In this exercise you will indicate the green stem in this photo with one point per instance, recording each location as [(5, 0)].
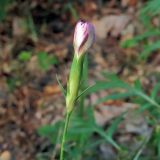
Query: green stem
[(64, 135)]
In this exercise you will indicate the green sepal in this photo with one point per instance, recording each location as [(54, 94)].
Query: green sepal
[(74, 82)]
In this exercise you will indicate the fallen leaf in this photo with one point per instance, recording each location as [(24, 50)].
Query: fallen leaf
[(113, 24), (107, 152), (51, 89), (19, 26), (103, 114), (126, 3), (6, 155)]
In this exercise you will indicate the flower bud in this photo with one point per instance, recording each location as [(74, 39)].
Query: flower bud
[(84, 36)]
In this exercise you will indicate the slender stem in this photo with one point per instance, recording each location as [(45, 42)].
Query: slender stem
[(64, 135)]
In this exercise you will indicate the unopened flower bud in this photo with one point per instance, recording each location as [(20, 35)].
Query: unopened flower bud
[(84, 36)]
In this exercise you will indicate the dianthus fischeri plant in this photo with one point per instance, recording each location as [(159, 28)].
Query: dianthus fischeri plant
[(84, 36)]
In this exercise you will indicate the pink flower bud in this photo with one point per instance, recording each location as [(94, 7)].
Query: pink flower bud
[(84, 36)]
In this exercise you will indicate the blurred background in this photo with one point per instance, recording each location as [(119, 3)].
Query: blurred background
[(119, 118)]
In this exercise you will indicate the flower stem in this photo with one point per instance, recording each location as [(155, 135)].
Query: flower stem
[(64, 135)]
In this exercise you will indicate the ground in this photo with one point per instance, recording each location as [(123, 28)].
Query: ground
[(29, 93)]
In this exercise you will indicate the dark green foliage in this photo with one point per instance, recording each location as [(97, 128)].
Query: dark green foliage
[(12, 83), (3, 8), (51, 132), (45, 60), (25, 56), (80, 135), (83, 128)]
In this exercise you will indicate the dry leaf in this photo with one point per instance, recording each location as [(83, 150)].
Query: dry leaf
[(19, 27), (51, 89), (6, 155), (126, 3), (105, 113), (113, 24)]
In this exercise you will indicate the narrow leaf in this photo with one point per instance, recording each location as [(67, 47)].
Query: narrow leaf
[(114, 96), (83, 92), (115, 124), (61, 86), (155, 91)]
